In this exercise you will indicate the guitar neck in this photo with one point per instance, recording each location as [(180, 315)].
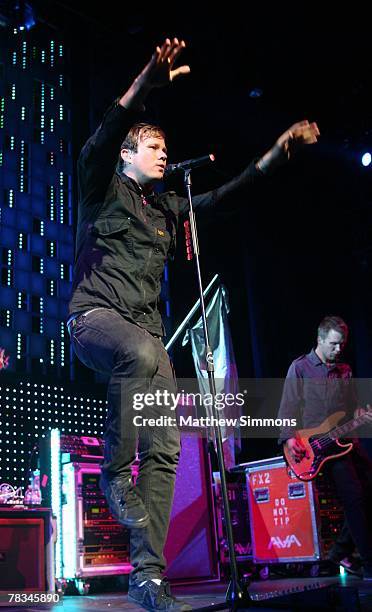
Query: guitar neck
[(342, 430)]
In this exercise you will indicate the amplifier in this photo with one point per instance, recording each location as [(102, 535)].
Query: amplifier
[(86, 449), (94, 544), (81, 448), (26, 549)]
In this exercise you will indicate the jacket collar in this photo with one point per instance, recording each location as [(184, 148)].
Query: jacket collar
[(152, 197), (131, 183)]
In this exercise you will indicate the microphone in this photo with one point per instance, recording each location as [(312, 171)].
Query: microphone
[(189, 164)]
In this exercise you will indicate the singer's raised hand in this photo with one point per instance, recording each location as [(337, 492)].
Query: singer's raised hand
[(299, 134), (157, 73)]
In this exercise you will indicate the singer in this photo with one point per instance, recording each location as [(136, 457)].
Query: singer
[(125, 233)]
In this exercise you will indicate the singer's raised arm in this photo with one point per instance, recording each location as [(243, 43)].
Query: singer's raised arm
[(298, 135)]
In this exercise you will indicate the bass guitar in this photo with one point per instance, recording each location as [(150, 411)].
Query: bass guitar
[(322, 444)]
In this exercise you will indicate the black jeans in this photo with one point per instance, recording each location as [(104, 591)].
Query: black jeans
[(137, 363), (352, 475)]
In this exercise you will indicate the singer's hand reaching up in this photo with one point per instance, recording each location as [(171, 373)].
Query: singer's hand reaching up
[(157, 73), (299, 134)]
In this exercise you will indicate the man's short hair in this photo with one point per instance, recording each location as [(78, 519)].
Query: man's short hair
[(335, 323), (137, 133)]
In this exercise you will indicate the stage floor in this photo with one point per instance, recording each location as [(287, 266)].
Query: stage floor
[(319, 593)]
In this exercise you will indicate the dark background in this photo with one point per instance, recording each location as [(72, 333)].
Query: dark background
[(297, 248)]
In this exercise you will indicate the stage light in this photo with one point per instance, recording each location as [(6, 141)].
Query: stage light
[(24, 17), (257, 92), (366, 159)]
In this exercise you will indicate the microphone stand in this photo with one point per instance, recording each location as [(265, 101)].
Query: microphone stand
[(237, 596)]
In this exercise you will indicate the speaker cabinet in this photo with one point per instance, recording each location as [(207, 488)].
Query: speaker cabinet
[(26, 550), (191, 547)]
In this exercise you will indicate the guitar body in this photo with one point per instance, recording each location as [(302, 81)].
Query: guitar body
[(320, 447)]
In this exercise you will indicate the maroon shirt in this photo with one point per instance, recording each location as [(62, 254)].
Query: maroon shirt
[(313, 391)]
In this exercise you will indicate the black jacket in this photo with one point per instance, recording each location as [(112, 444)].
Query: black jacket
[(122, 243)]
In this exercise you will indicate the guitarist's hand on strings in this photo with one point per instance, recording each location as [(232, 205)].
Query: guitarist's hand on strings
[(296, 448), (360, 411)]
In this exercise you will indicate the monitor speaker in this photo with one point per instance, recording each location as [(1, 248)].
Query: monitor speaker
[(191, 547)]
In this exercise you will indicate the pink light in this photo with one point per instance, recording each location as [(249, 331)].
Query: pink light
[(4, 359)]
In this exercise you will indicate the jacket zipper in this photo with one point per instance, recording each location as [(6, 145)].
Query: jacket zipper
[(144, 274), (144, 204)]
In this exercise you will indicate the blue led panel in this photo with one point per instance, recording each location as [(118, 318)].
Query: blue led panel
[(35, 200)]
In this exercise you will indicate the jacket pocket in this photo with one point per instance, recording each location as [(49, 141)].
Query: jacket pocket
[(111, 242), (109, 226)]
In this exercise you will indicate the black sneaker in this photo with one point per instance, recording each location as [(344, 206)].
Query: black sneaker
[(350, 565), (154, 597), (124, 503)]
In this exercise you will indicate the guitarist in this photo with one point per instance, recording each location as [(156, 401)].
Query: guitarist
[(317, 385)]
